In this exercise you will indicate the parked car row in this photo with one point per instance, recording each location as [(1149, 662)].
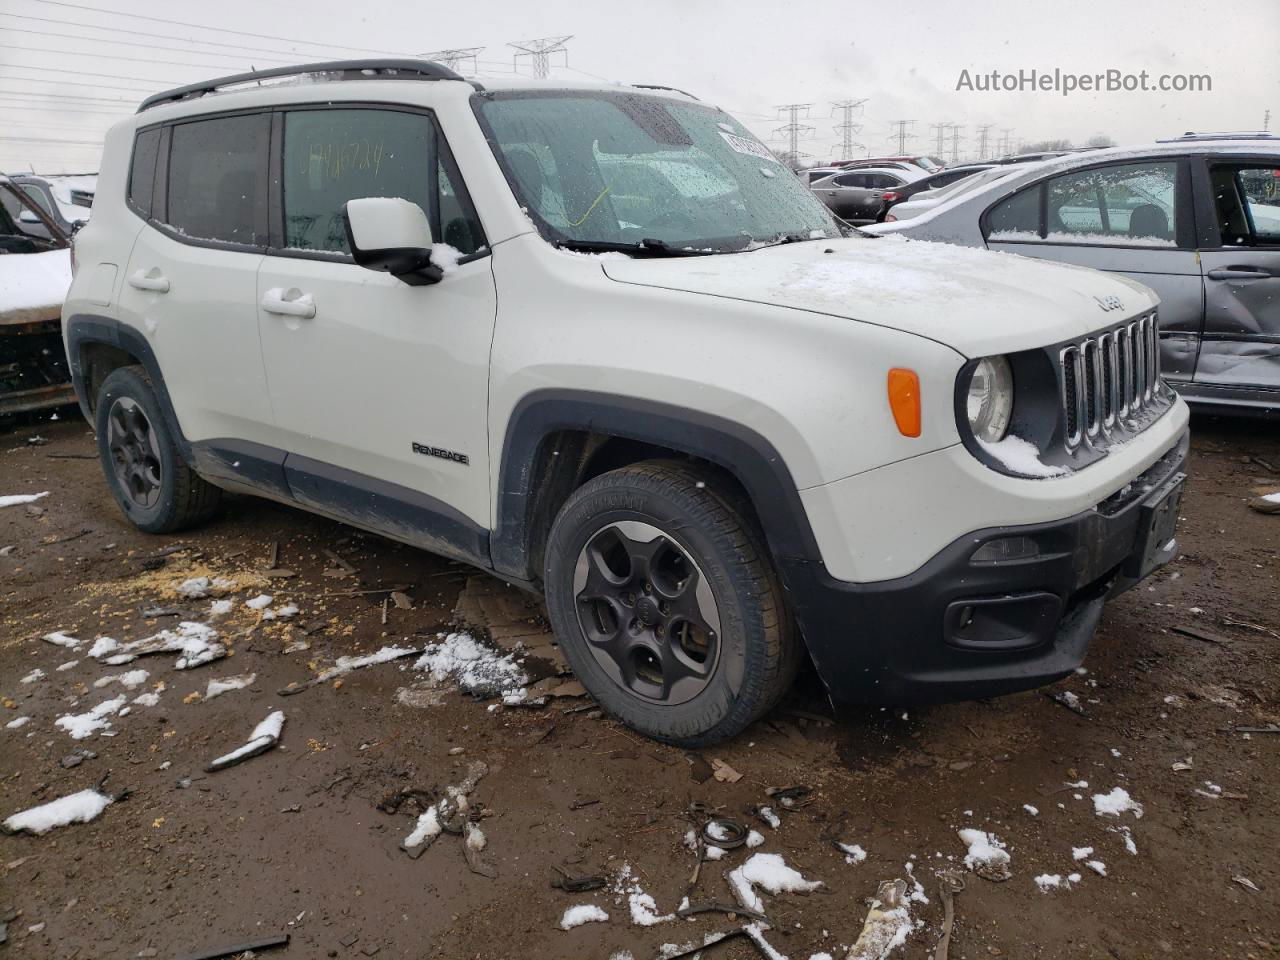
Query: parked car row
[(1197, 219)]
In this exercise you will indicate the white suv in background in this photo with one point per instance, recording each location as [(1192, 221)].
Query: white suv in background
[(599, 341)]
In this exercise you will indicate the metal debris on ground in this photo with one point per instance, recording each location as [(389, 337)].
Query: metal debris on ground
[(447, 815), (950, 883), (344, 665), (732, 909), (725, 833), (569, 883), (887, 925), (791, 798), (1199, 633), (264, 737), (1071, 701), (244, 946)]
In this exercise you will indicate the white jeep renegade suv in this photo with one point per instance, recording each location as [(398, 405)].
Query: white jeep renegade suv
[(597, 340)]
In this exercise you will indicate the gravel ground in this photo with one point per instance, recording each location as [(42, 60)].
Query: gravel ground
[(300, 840)]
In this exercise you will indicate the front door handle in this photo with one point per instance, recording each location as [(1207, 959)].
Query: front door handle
[(1239, 273), (153, 281), (289, 303)]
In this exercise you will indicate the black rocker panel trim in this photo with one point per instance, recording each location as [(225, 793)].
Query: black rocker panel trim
[(400, 512), (743, 452)]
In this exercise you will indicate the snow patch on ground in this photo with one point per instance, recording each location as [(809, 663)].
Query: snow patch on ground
[(83, 725), (643, 909), (347, 664), (33, 676), (853, 853), (75, 808), (477, 669), (1115, 803), (985, 850), (17, 723), (583, 913), (769, 872), (130, 679), (61, 639)]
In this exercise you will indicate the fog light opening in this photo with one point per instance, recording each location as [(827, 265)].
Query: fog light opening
[(1006, 549)]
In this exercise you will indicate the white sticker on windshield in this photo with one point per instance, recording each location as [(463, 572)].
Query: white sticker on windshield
[(752, 148)]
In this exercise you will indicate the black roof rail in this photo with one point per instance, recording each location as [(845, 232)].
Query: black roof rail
[(1192, 135), (399, 69), (659, 86)]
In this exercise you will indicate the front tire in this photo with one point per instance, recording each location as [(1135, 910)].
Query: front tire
[(157, 490), (666, 604)]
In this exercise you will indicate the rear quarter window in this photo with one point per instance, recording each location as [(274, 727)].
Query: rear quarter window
[(142, 170)]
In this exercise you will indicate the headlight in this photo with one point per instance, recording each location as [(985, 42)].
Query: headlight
[(990, 400)]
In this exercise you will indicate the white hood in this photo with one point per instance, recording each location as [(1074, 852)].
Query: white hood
[(978, 302)]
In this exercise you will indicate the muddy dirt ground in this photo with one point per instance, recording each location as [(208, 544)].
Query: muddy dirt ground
[(294, 841)]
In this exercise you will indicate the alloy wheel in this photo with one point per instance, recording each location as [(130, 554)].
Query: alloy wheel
[(647, 611), (135, 452)]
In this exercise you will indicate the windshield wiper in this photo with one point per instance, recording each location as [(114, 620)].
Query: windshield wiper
[(644, 248)]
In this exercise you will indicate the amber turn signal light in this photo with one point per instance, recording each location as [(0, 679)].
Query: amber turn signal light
[(904, 400)]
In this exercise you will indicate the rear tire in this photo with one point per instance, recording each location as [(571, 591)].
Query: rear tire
[(667, 605), (157, 490)]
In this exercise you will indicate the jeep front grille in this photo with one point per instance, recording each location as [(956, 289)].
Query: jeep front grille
[(1107, 378)]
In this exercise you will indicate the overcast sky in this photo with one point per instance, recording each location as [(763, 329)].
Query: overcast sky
[(746, 55)]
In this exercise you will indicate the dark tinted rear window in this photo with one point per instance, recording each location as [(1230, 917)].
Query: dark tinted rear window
[(217, 179), (146, 148)]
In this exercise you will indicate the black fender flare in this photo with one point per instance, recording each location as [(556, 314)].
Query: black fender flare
[(86, 328), (744, 453)]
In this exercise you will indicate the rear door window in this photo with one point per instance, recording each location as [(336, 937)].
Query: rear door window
[(1246, 199), (1123, 204), (218, 179)]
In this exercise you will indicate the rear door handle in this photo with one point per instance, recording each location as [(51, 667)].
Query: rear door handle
[(154, 282), (1239, 273), (289, 303)]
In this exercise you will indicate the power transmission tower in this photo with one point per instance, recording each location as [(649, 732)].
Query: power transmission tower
[(540, 50), (940, 130), (1266, 119), (984, 136), (847, 128), (793, 130), (453, 58), (903, 133), (956, 137), (1005, 145)]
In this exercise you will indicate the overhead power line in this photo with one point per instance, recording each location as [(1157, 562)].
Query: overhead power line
[(286, 56), (126, 43), (39, 95), (83, 143), (61, 110), (203, 26), (88, 73), (115, 56), (540, 50), (72, 83)]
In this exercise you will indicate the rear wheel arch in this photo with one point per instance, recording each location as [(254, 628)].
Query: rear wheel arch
[(557, 440)]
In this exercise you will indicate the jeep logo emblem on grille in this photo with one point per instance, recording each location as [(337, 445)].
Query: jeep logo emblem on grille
[(1109, 302)]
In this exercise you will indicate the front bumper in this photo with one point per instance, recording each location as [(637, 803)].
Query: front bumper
[(956, 629)]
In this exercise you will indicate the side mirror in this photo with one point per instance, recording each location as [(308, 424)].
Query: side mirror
[(28, 216), (392, 235)]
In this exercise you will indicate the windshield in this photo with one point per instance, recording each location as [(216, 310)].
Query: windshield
[(625, 169)]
